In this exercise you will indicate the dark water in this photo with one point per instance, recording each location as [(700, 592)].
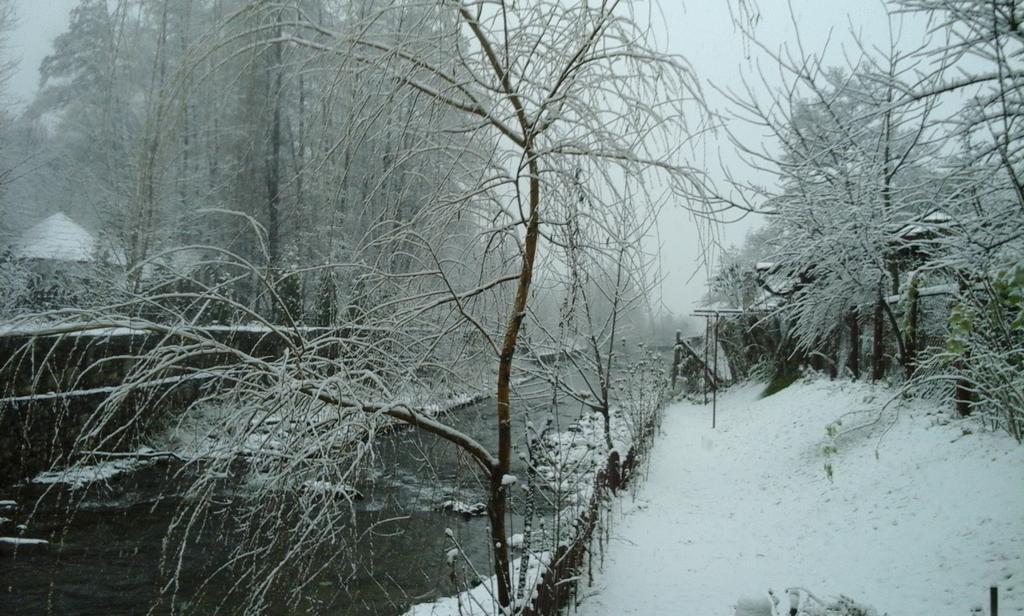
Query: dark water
[(107, 558)]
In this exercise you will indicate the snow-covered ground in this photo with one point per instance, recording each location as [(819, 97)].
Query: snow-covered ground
[(924, 528), (480, 600)]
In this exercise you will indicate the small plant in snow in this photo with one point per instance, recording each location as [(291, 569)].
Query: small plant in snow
[(830, 449), (802, 602)]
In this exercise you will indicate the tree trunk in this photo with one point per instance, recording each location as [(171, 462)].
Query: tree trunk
[(833, 366), (962, 394), (530, 507), (274, 162), (913, 317), (496, 506), (146, 194), (877, 340), (499, 538), (892, 264), (962, 390), (607, 415), (853, 360), (677, 358)]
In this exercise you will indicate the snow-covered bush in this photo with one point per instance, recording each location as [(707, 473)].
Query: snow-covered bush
[(288, 303), (801, 602), (984, 352), (14, 279), (325, 304), (41, 286)]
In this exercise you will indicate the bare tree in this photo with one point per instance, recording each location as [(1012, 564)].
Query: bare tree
[(974, 73), (512, 103), (608, 282), (899, 180), (854, 164), (8, 65), (574, 85)]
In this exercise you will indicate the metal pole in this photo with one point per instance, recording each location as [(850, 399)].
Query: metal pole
[(714, 386), (707, 333), (993, 599)]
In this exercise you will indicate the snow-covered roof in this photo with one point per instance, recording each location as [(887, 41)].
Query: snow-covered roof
[(924, 224), (57, 238)]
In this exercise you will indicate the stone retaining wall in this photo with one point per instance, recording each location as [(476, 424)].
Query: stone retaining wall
[(33, 365), (38, 433), (52, 386)]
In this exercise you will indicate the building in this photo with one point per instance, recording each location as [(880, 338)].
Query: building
[(56, 239), (60, 264)]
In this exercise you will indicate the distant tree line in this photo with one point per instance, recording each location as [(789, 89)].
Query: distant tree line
[(181, 123), (450, 187)]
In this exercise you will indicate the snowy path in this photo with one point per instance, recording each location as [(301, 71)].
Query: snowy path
[(924, 530)]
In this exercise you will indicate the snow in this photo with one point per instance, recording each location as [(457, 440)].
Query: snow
[(481, 600), (78, 477), (335, 490), (576, 455), (929, 222), (40, 327), (18, 541), (434, 408), (51, 395), (579, 453), (939, 289), (57, 238), (463, 508), (926, 527), (450, 556), (202, 436)]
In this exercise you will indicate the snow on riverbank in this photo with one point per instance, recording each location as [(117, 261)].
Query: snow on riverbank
[(481, 600), (924, 528), (188, 442), (79, 476), (567, 465), (10, 546), (210, 432)]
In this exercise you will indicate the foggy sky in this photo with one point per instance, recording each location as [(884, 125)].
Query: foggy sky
[(700, 31), (704, 34), (39, 22)]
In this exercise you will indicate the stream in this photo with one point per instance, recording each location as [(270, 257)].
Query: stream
[(106, 557)]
